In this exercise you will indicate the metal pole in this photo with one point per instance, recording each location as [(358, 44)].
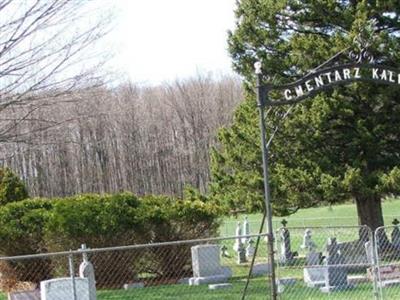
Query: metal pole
[(262, 99), (72, 273)]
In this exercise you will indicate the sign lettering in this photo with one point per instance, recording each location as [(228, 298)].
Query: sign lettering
[(341, 74)]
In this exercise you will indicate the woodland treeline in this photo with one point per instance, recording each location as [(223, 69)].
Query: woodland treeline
[(128, 138)]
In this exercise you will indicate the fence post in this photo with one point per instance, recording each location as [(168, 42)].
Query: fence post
[(377, 275), (72, 273), (374, 263)]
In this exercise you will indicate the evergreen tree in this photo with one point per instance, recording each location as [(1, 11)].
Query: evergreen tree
[(12, 188), (341, 145)]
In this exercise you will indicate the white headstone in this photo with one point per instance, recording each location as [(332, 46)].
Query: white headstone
[(205, 260), (238, 232), (86, 270), (246, 230), (62, 289)]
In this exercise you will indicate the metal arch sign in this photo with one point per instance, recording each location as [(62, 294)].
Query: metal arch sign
[(319, 79), (322, 79)]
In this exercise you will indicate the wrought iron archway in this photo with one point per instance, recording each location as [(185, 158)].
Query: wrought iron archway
[(359, 67)]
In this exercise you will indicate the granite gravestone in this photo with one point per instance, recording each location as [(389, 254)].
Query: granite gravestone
[(206, 265), (62, 289), (335, 272), (286, 255)]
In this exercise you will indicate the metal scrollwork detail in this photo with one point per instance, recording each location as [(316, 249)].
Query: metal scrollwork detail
[(362, 56)]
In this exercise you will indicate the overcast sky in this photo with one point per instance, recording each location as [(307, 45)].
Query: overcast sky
[(161, 40)]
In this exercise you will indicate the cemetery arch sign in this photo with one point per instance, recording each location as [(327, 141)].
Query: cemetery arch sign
[(361, 67)]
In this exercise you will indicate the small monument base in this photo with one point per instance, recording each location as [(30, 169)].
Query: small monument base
[(314, 277), (208, 279), (338, 288)]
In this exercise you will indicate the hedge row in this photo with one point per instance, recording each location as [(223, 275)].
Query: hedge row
[(47, 225)]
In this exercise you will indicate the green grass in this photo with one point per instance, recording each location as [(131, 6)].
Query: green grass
[(257, 290), (338, 215)]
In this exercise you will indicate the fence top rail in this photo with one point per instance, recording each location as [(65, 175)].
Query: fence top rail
[(308, 218), (129, 247), (325, 227)]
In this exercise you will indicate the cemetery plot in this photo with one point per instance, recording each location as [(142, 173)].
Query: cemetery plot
[(388, 260), (186, 270), (318, 261)]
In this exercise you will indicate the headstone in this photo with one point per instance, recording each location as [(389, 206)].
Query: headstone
[(241, 254), (250, 248), (218, 286), (206, 265), (286, 255), (62, 289), (308, 243), (224, 251), (246, 230), (335, 272), (24, 295), (396, 234), (86, 270), (238, 232)]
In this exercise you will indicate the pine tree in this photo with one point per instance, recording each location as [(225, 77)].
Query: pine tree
[(341, 145)]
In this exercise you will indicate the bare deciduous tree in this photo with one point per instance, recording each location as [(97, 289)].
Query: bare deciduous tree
[(46, 52), (146, 140)]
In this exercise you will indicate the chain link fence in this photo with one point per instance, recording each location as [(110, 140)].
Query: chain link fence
[(197, 269), (325, 262), (347, 262), (387, 251)]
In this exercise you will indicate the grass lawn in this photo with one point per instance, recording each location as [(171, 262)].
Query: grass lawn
[(258, 289), (338, 215)]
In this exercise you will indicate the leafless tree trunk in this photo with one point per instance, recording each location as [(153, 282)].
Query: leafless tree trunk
[(145, 140)]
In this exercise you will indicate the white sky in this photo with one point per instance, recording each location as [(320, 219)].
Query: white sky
[(161, 40)]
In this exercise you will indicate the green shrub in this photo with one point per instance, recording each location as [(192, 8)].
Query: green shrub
[(170, 219), (21, 232), (48, 225), (12, 189), (97, 220)]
